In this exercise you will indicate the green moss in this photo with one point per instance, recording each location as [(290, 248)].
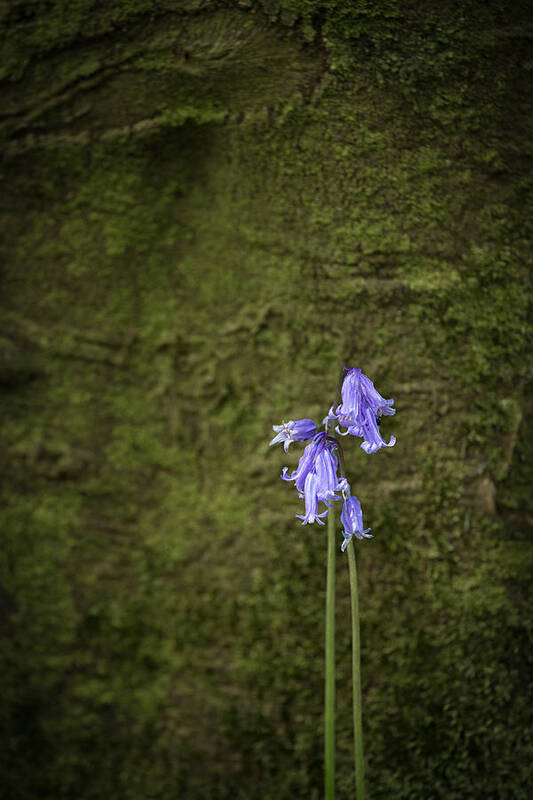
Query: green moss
[(173, 295)]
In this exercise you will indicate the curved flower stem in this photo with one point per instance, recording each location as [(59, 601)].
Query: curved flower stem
[(340, 453), (329, 426), (356, 678), (329, 716), (339, 387)]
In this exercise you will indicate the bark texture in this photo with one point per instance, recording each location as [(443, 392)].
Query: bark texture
[(208, 208)]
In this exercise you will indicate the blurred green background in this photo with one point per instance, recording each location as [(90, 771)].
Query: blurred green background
[(207, 209)]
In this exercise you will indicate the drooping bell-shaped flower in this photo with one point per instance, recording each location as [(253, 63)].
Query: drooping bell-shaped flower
[(374, 400), (315, 477), (352, 521), (299, 430), (310, 496), (325, 469), (349, 411), (306, 463), (361, 407)]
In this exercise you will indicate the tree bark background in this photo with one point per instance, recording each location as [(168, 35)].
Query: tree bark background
[(208, 208)]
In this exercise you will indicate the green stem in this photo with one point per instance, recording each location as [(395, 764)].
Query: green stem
[(356, 679), (329, 732)]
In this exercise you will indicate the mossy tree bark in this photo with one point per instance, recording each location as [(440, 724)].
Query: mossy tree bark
[(208, 208)]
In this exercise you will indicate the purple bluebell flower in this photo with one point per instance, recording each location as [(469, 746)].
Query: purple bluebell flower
[(349, 411), (293, 431), (306, 462), (326, 464), (360, 409), (311, 501), (315, 477), (352, 521)]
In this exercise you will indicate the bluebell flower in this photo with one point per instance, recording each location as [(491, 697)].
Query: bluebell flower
[(361, 407), (352, 521), (315, 477), (326, 464), (311, 501), (293, 431), (306, 462)]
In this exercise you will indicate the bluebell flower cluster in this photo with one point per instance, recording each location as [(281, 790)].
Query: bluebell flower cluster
[(316, 476)]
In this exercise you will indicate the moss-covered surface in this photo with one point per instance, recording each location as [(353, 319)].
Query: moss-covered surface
[(208, 210)]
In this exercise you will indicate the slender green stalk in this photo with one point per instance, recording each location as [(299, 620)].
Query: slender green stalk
[(356, 679), (329, 732)]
